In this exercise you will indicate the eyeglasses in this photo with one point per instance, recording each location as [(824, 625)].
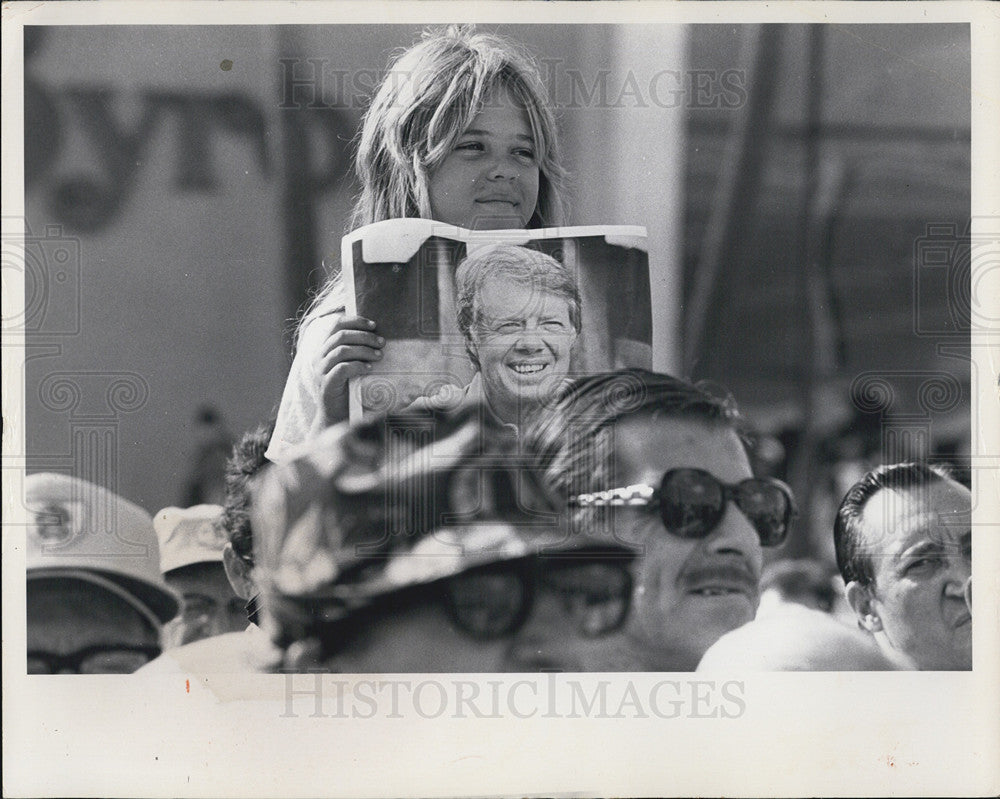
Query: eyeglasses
[(487, 603), (110, 659), (692, 502), (595, 595)]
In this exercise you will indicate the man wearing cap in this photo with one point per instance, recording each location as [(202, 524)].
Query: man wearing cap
[(421, 543), (240, 650), (95, 599), (658, 464), (192, 541)]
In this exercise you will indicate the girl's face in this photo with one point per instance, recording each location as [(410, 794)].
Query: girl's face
[(489, 181)]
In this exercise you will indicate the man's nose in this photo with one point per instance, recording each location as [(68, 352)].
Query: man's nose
[(536, 645), (959, 574), (735, 534), (530, 341)]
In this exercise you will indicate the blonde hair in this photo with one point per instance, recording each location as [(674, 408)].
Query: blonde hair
[(427, 99)]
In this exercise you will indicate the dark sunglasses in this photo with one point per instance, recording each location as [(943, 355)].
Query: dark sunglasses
[(110, 659), (692, 502), (486, 603), (595, 595)]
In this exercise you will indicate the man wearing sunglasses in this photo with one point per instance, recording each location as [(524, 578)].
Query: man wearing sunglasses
[(656, 464), (421, 542)]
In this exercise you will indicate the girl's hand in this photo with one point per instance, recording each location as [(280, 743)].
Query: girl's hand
[(349, 348)]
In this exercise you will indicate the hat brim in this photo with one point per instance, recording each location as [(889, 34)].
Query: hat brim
[(438, 557), (160, 604)]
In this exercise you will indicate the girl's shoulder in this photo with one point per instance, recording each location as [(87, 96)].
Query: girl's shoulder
[(326, 309)]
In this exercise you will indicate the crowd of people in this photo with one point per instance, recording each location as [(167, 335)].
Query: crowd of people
[(546, 522)]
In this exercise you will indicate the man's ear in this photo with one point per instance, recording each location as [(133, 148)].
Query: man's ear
[(238, 572), (859, 597)]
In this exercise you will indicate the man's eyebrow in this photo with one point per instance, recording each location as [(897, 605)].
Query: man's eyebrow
[(923, 548), (936, 547), (502, 319)]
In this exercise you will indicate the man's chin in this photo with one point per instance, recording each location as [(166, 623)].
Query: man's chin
[(526, 397), (731, 608), (687, 647), (949, 661), (963, 648)]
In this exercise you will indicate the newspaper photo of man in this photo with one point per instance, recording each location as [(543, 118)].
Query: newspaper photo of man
[(519, 311)]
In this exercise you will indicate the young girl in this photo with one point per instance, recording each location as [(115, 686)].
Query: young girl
[(460, 132)]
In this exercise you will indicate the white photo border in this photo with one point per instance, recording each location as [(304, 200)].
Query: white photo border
[(797, 734)]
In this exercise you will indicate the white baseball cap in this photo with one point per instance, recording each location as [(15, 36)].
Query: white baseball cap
[(79, 530), (190, 535)]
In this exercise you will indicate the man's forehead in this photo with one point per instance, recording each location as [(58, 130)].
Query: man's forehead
[(502, 297), (940, 511), (650, 443)]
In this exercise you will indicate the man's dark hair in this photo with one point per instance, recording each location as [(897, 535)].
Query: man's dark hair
[(243, 465), (573, 438), (853, 552)]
